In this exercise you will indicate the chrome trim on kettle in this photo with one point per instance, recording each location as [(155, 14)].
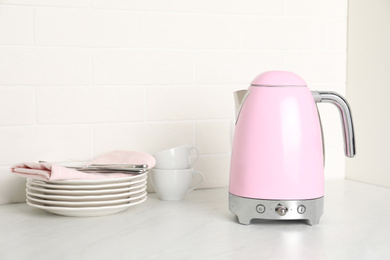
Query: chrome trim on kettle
[(246, 209), (346, 118), (239, 99)]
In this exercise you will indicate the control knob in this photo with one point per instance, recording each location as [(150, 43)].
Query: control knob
[(281, 210)]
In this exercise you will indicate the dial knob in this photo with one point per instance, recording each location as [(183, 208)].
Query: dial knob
[(281, 210)]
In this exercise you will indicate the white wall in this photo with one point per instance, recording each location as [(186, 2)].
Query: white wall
[(81, 78), (368, 89)]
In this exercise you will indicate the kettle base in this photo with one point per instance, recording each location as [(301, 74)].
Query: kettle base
[(247, 209)]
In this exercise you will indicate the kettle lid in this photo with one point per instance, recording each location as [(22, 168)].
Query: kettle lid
[(278, 79)]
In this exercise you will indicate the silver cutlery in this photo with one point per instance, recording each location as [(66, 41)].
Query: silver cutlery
[(110, 168)]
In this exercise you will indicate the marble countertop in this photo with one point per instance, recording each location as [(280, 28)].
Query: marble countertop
[(355, 225)]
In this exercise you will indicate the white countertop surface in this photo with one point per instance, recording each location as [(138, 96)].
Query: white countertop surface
[(355, 225)]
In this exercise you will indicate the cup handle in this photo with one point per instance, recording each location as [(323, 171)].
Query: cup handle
[(193, 148), (199, 182)]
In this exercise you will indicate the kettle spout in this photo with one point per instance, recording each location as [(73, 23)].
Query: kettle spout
[(239, 99)]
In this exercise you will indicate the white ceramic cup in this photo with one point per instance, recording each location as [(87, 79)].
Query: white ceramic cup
[(174, 184), (177, 158)]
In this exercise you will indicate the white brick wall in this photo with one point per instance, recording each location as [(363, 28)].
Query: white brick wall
[(81, 78), (89, 28), (194, 31), (16, 25), (44, 66), (141, 67)]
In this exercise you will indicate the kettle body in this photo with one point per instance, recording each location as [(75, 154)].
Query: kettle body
[(277, 161)]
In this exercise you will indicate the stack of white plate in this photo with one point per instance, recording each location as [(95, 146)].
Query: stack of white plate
[(86, 198)]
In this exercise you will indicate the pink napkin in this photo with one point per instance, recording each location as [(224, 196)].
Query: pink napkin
[(48, 171)]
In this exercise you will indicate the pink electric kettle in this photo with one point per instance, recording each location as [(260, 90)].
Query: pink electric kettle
[(277, 158)]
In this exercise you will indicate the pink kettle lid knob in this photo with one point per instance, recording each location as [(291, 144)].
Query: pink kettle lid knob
[(278, 79)]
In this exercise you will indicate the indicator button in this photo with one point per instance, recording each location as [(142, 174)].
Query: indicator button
[(260, 208), (301, 209)]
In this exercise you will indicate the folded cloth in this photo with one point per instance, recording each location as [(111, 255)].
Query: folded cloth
[(48, 171)]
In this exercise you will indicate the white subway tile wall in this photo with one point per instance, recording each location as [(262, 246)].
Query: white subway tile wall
[(141, 67), (193, 31), (89, 28), (16, 25), (49, 66), (81, 78)]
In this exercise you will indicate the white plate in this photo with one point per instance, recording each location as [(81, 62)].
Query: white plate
[(86, 187), (86, 211), (122, 195), (81, 192), (99, 181), (74, 204)]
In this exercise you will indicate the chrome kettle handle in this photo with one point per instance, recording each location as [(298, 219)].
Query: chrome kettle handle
[(346, 118)]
